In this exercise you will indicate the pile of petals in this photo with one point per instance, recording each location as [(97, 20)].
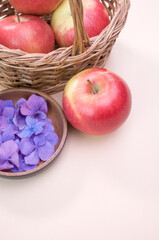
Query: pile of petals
[(26, 134)]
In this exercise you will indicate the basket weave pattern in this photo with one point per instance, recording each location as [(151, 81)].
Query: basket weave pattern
[(50, 72)]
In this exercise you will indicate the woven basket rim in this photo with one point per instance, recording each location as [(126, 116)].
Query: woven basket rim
[(93, 40)]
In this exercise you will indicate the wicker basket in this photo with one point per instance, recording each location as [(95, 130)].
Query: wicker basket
[(50, 72)]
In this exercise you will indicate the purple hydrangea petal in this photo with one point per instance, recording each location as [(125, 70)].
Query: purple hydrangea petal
[(33, 127), (21, 162), (33, 158), (25, 110), (9, 112), (27, 167), (20, 101), (26, 132), (9, 147), (8, 103), (39, 140), (2, 155), (9, 154), (30, 121), (20, 169), (1, 106), (48, 127), (37, 103), (9, 133), (17, 141), (22, 165), (5, 166), (16, 170), (19, 121), (26, 146), (1, 140), (40, 115), (52, 138), (38, 128), (15, 159), (46, 151), (3, 122)]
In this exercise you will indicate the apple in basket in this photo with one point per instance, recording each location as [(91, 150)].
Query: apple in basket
[(35, 7), (30, 34), (95, 20), (96, 101)]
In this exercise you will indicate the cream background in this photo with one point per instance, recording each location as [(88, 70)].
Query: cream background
[(100, 187)]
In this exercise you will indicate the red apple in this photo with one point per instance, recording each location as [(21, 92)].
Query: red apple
[(32, 34), (35, 7), (96, 101), (95, 20)]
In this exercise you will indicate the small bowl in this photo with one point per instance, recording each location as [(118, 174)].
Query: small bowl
[(55, 113)]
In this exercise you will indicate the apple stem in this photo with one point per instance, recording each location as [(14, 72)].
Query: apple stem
[(17, 14), (94, 91)]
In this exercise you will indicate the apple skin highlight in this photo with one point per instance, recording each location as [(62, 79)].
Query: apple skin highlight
[(100, 113)]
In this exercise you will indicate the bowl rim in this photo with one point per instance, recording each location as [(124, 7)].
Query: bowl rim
[(63, 139)]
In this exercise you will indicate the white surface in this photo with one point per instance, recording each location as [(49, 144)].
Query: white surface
[(100, 187)]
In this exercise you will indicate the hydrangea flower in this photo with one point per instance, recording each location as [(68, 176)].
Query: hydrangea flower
[(36, 149), (6, 116), (9, 156), (34, 106), (26, 134), (33, 126)]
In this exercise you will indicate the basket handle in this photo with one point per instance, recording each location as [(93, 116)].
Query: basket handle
[(81, 39)]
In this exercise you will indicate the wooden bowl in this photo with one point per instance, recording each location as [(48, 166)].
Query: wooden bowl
[(54, 112)]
